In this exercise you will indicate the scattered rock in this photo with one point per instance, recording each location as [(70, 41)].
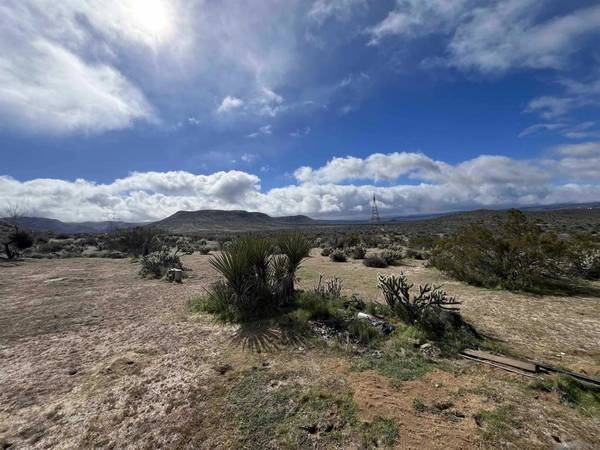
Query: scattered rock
[(223, 369), (430, 350)]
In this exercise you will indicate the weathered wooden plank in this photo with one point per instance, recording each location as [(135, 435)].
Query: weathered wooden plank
[(523, 365)]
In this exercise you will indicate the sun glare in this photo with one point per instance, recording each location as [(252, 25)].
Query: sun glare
[(154, 18)]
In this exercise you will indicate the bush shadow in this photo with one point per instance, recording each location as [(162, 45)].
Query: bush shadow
[(267, 336)]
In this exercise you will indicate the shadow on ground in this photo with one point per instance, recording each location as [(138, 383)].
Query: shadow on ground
[(267, 335)]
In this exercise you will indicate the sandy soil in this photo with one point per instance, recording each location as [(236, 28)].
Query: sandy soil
[(559, 330), (92, 356)]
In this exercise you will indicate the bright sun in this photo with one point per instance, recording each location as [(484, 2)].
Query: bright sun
[(152, 17)]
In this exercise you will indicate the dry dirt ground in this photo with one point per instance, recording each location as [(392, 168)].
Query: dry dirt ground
[(92, 356)]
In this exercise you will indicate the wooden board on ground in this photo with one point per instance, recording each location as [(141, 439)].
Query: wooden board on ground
[(523, 365)]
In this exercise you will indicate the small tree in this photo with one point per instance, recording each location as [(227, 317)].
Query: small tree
[(137, 241), (17, 239)]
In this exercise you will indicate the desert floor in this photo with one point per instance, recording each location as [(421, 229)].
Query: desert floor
[(92, 356)]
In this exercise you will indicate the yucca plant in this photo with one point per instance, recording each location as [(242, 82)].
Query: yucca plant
[(245, 265), (258, 279), (295, 247)]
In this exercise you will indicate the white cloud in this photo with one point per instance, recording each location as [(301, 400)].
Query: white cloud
[(576, 94), (53, 90), (230, 103), (484, 181), (58, 70), (377, 166), (414, 18), (493, 36), (265, 130), (301, 132), (540, 127), (584, 149), (322, 10), (248, 157), (511, 34)]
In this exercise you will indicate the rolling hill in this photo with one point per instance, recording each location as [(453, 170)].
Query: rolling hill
[(554, 216), (219, 220)]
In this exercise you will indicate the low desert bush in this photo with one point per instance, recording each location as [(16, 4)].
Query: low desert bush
[(375, 261), (515, 255), (156, 264), (16, 242), (326, 251), (138, 241), (392, 256), (357, 252), (338, 256), (415, 254), (329, 288), (363, 332)]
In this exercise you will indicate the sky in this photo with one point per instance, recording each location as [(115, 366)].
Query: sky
[(136, 109)]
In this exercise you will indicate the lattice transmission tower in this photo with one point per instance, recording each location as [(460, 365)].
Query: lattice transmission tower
[(374, 211)]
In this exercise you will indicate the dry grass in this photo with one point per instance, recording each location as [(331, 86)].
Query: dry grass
[(560, 330), (94, 356)]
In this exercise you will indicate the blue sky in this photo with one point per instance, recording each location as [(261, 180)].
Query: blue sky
[(138, 108)]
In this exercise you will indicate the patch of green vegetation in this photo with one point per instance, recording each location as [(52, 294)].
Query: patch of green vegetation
[(399, 365), (274, 411), (438, 407), (363, 332), (585, 397), (498, 425), (380, 432), (418, 405)]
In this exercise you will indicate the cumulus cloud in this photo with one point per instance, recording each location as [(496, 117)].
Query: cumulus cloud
[(571, 175), (230, 103), (377, 166)]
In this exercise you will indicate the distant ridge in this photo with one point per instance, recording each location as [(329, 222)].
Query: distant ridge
[(57, 226), (220, 220), (240, 221)]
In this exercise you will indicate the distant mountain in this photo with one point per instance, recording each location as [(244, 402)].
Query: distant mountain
[(239, 221), (219, 220), (57, 226)]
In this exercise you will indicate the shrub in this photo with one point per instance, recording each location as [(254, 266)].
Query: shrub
[(138, 241), (331, 288), (392, 256), (375, 261), (414, 254), (156, 264), (363, 332), (316, 306), (357, 252), (326, 251), (204, 250), (217, 301), (17, 241), (338, 256), (516, 255), (413, 309)]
